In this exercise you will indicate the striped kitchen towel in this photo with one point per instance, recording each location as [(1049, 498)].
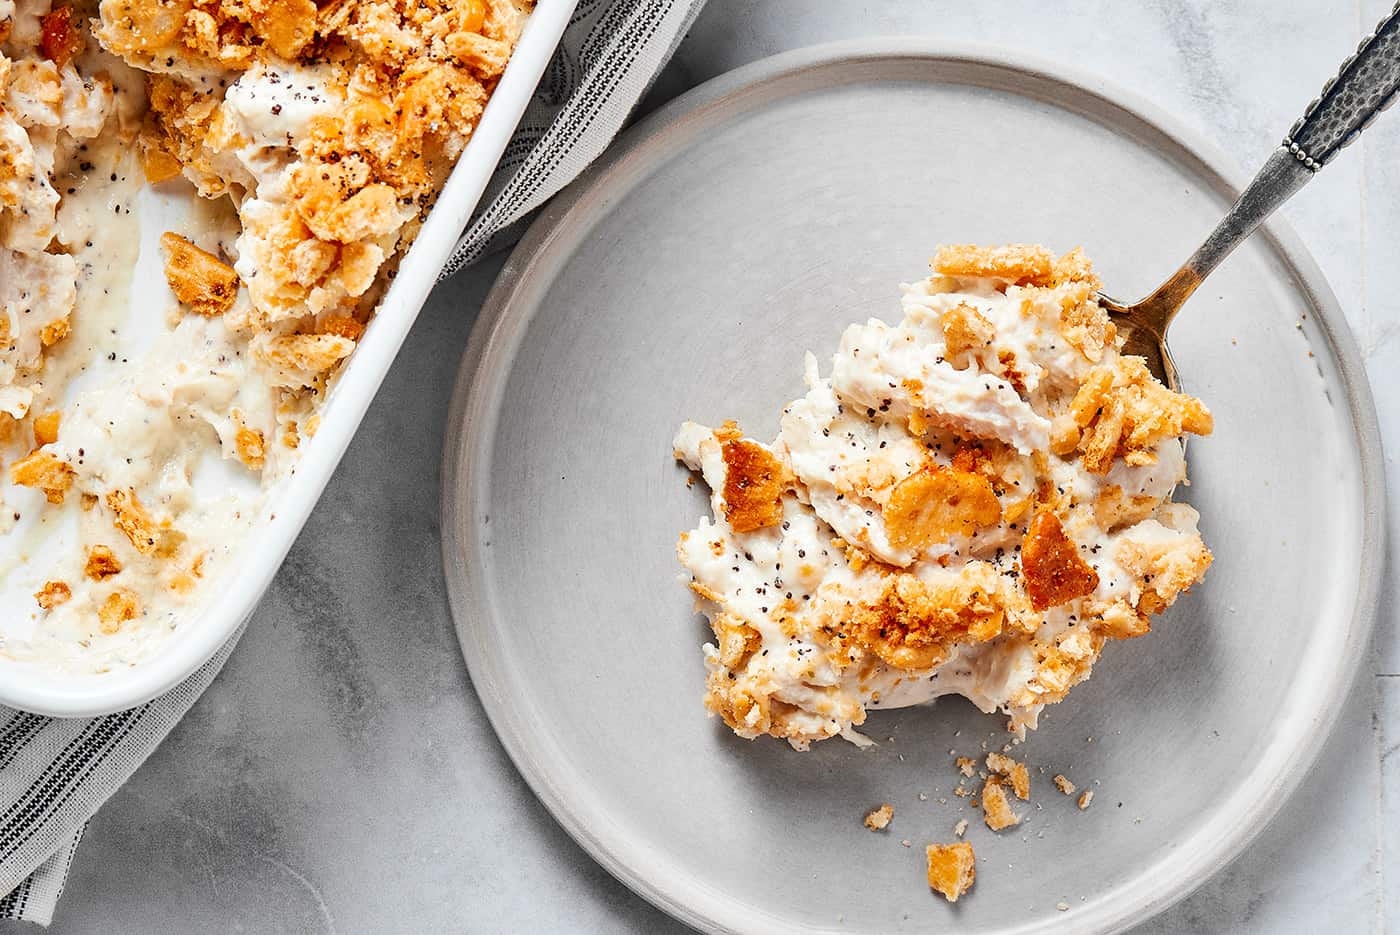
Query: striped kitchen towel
[(55, 774)]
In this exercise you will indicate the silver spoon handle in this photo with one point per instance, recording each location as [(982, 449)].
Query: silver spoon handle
[(1366, 84)]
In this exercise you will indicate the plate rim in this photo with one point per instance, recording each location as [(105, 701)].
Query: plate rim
[(471, 418)]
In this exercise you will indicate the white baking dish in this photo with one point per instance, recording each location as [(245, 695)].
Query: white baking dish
[(231, 600)]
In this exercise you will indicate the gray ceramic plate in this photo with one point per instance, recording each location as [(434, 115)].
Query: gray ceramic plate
[(683, 277)]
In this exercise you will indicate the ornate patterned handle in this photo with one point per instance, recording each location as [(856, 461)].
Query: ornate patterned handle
[(1366, 85)]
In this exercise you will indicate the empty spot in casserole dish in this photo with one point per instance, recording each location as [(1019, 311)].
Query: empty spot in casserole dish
[(201, 205)]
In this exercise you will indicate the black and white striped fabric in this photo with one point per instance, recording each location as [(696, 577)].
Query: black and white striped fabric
[(55, 774)]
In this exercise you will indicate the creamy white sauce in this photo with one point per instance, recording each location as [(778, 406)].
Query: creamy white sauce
[(151, 398), (849, 441)]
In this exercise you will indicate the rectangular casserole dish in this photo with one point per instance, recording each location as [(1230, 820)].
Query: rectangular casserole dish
[(211, 621)]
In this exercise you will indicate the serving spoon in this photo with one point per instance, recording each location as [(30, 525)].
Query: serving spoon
[(1365, 85)]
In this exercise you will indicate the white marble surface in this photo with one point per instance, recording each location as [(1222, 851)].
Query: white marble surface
[(339, 775)]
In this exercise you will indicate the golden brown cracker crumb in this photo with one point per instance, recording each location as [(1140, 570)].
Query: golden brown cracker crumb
[(131, 518), (119, 607), (937, 502), (43, 470), (101, 563), (1085, 799), (1075, 266), (996, 808), (46, 428), (912, 623), (1014, 772), (967, 765), (486, 58), (1122, 411), (199, 279), (1063, 784), (345, 326), (960, 828), (1018, 264), (252, 450), (1167, 569), (965, 330), (952, 869), (52, 594), (285, 25), (312, 353), (878, 819), (157, 163), (754, 482), (55, 331), (1051, 567), (59, 38), (737, 640)]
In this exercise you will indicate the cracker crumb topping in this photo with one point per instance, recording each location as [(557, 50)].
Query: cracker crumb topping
[(129, 516), (1013, 772), (952, 869), (996, 808), (52, 594), (753, 483), (199, 279), (1053, 571), (46, 428), (44, 471), (878, 819), (101, 563), (120, 606)]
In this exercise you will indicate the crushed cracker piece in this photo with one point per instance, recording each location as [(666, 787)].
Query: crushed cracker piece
[(45, 471), (967, 765), (996, 808), (101, 563), (46, 428), (938, 502), (55, 331), (252, 450), (1013, 771), (952, 869), (879, 818), (1063, 784), (1018, 264), (1052, 569), (1085, 799), (131, 518), (52, 594), (199, 279), (58, 37), (960, 828), (345, 326), (754, 482), (119, 607), (157, 163)]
